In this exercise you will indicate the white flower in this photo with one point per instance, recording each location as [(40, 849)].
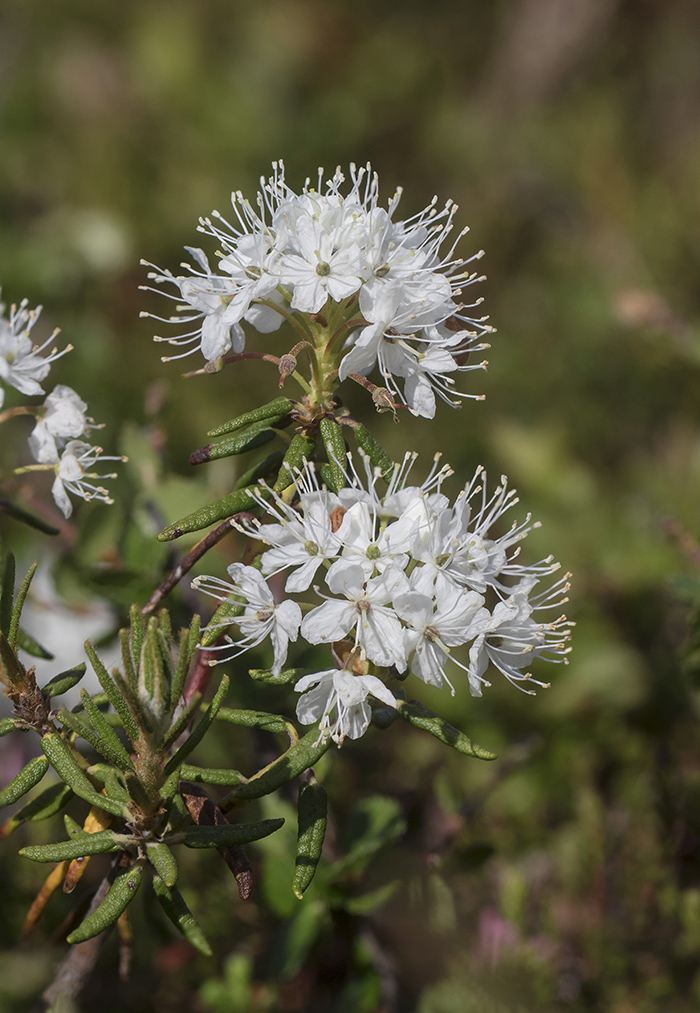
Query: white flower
[(72, 474), (21, 364), (261, 618), (345, 693), (511, 639), (449, 621), (378, 630), (62, 418)]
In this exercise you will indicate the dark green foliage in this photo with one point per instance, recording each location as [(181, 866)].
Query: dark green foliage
[(312, 806)]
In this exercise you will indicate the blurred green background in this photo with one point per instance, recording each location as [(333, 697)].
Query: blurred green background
[(566, 875)]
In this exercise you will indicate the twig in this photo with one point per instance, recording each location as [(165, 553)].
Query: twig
[(188, 561), (76, 966)]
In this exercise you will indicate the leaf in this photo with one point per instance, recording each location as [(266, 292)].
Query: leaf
[(120, 894), (174, 906), (253, 719), (287, 675), (226, 835), (298, 758), (27, 778), (422, 717), (49, 802), (112, 747), (77, 846), (32, 646), (334, 442), (66, 766), (163, 861), (19, 605), (61, 683), (199, 730), (312, 806), (211, 775)]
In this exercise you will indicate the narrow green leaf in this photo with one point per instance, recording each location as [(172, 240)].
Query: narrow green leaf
[(209, 775), (376, 453), (19, 605), (66, 766), (225, 614), (7, 593), (313, 817), (263, 469), (199, 730), (46, 804), (234, 503), (286, 675), (334, 442), (32, 646), (163, 861), (7, 725), (182, 721), (61, 683), (231, 835), (270, 413), (299, 757), (72, 827), (300, 449), (22, 515), (253, 719), (117, 753), (83, 729), (426, 719), (11, 670), (239, 443), (174, 906), (119, 896), (77, 846), (117, 699), (27, 778)]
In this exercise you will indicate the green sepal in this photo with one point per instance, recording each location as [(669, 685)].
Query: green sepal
[(19, 605), (229, 835), (298, 758), (163, 861), (27, 778), (112, 747), (7, 725), (428, 721), (270, 413), (60, 684), (77, 846), (32, 646), (225, 614), (119, 896), (334, 442), (174, 906), (66, 766), (253, 719), (268, 466), (239, 443), (282, 678), (199, 730), (299, 450), (312, 806), (227, 506), (377, 454), (211, 775)]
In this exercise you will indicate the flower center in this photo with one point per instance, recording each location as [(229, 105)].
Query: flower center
[(323, 269), (311, 548), (373, 552)]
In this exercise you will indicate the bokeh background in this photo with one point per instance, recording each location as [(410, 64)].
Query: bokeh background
[(566, 875)]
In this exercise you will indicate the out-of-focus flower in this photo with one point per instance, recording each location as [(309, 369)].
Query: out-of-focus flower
[(22, 365), (72, 474)]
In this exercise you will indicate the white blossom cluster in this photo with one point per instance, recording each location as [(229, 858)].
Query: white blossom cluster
[(62, 418), (399, 291), (407, 577)]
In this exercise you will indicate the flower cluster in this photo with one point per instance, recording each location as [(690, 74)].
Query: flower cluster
[(387, 294), (60, 421), (409, 576)]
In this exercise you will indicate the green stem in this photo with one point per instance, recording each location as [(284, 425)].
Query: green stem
[(10, 413)]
